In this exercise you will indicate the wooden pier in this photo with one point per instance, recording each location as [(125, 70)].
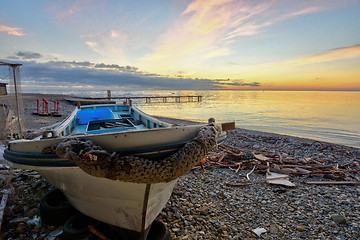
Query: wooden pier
[(164, 99)]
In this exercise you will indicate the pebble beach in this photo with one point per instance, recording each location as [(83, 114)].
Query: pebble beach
[(205, 206)]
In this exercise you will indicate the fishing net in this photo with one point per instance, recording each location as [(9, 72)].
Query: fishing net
[(12, 105), (100, 163)]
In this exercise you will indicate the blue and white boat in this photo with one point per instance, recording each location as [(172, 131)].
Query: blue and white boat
[(116, 128)]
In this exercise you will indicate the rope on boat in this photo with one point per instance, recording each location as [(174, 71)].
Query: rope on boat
[(100, 163)]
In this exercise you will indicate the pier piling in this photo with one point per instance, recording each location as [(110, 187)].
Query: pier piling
[(164, 99)]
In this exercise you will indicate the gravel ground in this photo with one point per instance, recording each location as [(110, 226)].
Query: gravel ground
[(34, 122), (202, 206)]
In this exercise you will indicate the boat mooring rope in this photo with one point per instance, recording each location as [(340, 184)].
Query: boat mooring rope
[(100, 163)]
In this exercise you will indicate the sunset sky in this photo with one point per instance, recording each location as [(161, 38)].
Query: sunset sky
[(183, 44)]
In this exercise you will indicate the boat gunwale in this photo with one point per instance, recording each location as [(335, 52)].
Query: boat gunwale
[(61, 127)]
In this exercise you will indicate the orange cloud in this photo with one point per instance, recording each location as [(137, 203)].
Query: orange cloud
[(331, 55), (208, 28), (109, 43), (12, 31), (65, 11), (82, 86), (302, 12), (92, 45), (205, 18)]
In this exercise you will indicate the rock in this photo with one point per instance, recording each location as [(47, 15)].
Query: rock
[(32, 212), (203, 210), (259, 231), (346, 201), (19, 220), (339, 219), (273, 229), (36, 229), (300, 227), (36, 184), (21, 228)]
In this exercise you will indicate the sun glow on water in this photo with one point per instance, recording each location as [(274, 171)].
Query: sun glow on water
[(324, 115)]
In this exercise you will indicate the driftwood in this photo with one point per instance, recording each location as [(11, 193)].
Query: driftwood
[(97, 233), (333, 183), (9, 124), (229, 183), (2, 207), (246, 159), (278, 179)]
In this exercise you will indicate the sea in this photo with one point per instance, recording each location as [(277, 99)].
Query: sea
[(331, 116)]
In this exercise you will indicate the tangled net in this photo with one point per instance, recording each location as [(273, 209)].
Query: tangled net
[(95, 161)]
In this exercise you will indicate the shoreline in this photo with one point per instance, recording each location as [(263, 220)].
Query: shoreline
[(259, 133), (35, 122), (205, 206)]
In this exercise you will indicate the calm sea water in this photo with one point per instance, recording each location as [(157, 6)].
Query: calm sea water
[(332, 116)]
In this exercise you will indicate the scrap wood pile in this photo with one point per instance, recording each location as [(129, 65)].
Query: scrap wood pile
[(281, 165)]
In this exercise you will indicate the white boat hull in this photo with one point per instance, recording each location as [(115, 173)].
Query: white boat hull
[(132, 206), (129, 205)]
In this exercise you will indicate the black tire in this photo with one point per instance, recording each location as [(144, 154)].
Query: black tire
[(76, 227), (55, 209), (158, 231)]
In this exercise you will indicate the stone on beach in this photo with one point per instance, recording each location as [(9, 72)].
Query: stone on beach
[(339, 219)]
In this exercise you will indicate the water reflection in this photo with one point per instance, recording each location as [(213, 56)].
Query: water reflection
[(332, 116), (329, 116)]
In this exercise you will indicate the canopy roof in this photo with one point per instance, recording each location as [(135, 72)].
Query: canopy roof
[(10, 64)]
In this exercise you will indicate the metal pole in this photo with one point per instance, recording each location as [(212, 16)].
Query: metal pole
[(14, 66)]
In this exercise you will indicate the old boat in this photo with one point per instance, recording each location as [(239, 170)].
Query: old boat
[(121, 130)]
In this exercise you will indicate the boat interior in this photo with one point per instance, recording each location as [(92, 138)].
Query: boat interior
[(109, 118)]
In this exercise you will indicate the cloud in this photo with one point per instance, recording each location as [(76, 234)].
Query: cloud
[(67, 9), (331, 55), (12, 31), (73, 64), (253, 84), (117, 67), (53, 74), (235, 83), (107, 43), (92, 45), (28, 55), (103, 76), (208, 29), (304, 11)]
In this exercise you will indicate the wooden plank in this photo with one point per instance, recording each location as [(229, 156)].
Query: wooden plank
[(333, 183), (228, 126), (84, 101), (2, 207), (279, 179), (148, 98), (7, 126)]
